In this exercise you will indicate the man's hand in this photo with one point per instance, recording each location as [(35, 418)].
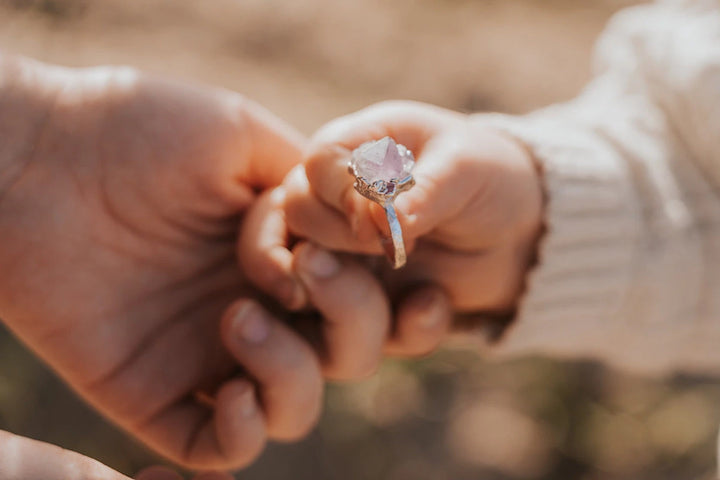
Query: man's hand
[(119, 211)]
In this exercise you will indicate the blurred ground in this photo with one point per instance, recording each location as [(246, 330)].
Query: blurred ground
[(452, 417)]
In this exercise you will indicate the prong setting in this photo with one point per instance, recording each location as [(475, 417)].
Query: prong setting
[(385, 158)]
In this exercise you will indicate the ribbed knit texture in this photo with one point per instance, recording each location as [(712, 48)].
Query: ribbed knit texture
[(629, 268)]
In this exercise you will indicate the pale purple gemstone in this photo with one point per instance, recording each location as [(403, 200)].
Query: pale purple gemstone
[(382, 160)]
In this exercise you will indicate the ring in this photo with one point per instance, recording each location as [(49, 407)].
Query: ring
[(382, 170)]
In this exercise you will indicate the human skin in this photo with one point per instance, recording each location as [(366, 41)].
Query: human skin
[(120, 200), (25, 459), (471, 222), (121, 195)]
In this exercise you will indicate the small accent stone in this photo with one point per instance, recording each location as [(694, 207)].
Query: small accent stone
[(382, 161)]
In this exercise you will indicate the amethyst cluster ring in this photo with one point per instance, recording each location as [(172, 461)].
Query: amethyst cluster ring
[(382, 170)]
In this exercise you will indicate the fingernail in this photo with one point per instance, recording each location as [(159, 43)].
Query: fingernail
[(251, 324), (318, 262), (431, 309)]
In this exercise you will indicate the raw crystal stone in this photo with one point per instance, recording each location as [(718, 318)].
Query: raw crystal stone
[(382, 161)]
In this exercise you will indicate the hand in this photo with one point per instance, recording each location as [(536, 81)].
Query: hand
[(25, 459), (471, 222), (118, 223)]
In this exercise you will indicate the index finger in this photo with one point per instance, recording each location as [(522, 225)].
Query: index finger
[(409, 123)]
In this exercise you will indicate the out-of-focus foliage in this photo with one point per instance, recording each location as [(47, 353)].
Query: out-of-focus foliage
[(450, 417)]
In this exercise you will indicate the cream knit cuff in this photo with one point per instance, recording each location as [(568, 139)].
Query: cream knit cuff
[(576, 292)]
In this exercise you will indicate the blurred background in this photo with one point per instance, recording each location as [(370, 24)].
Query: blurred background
[(450, 417)]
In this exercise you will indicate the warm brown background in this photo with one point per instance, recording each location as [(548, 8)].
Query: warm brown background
[(451, 417)]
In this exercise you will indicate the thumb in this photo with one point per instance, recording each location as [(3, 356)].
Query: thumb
[(273, 146)]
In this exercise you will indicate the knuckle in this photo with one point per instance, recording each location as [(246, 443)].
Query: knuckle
[(295, 186), (324, 152)]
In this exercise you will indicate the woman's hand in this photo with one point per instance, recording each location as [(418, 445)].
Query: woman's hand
[(471, 222)]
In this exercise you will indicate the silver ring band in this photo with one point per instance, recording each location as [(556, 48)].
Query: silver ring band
[(394, 245)]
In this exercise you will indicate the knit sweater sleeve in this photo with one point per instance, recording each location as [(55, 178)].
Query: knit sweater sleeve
[(629, 267)]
